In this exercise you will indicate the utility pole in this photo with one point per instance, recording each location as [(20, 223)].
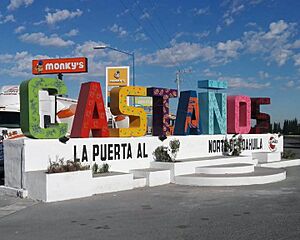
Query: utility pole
[(178, 78)]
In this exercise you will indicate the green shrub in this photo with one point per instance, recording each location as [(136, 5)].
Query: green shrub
[(103, 169), (234, 146), (60, 166), (288, 154), (167, 154)]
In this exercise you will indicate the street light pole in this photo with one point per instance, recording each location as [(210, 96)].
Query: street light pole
[(124, 52), (133, 73)]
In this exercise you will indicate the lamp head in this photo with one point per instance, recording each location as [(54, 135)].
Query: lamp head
[(100, 47)]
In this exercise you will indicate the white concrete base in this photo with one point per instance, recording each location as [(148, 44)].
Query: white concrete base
[(282, 164), (155, 177), (139, 182), (265, 157), (16, 192), (58, 186), (70, 185), (111, 182), (259, 176), (188, 166), (234, 168)]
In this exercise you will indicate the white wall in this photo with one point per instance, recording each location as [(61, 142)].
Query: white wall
[(38, 152)]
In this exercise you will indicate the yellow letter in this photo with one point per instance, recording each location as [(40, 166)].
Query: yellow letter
[(137, 116)]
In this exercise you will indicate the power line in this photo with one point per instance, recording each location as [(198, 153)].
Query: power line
[(173, 60), (140, 25), (150, 22), (161, 22)]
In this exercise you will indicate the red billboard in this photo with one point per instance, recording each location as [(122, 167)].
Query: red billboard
[(59, 65)]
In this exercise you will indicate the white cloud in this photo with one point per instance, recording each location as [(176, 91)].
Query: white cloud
[(273, 45), (228, 21), (178, 53), (140, 37), (200, 11), (145, 15), (221, 53), (233, 8), (99, 59), (72, 33), (296, 44), (7, 18), (276, 28), (209, 73), (230, 48), (296, 59), (5, 58), (43, 40), (18, 64), (120, 31), (290, 84), (178, 10), (263, 74), (251, 24), (122, 13), (20, 29), (61, 15), (203, 34), (14, 4), (238, 82), (198, 35)]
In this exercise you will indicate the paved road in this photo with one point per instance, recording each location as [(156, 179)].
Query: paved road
[(168, 212)]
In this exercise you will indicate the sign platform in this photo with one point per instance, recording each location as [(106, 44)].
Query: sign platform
[(25, 159)]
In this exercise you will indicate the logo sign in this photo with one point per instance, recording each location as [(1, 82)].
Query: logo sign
[(59, 65), (9, 90), (116, 77), (273, 141)]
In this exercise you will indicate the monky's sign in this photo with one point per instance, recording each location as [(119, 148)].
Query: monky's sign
[(206, 112)]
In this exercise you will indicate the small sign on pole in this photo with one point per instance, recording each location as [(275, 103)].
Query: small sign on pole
[(59, 65), (116, 77)]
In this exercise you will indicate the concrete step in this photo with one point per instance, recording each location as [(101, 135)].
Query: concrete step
[(154, 177), (281, 164), (188, 166), (139, 182), (233, 168), (259, 176), (265, 157)]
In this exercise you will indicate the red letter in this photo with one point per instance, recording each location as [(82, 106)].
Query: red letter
[(262, 119), (90, 113)]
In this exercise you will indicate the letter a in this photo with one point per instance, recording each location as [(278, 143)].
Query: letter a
[(90, 113)]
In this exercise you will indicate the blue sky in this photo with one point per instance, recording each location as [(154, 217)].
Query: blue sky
[(252, 44)]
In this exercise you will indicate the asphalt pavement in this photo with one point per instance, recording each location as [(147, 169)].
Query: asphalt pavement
[(264, 212)]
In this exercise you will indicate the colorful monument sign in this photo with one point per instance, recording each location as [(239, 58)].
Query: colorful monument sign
[(209, 112)]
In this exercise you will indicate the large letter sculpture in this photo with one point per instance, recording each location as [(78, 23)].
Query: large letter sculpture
[(137, 116), (213, 107), (262, 119), (90, 113), (30, 110), (160, 119), (187, 117), (238, 114)]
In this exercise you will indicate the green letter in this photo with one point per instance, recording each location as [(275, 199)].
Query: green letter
[(29, 108)]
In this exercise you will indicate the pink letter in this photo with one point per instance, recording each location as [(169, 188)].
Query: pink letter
[(238, 114)]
